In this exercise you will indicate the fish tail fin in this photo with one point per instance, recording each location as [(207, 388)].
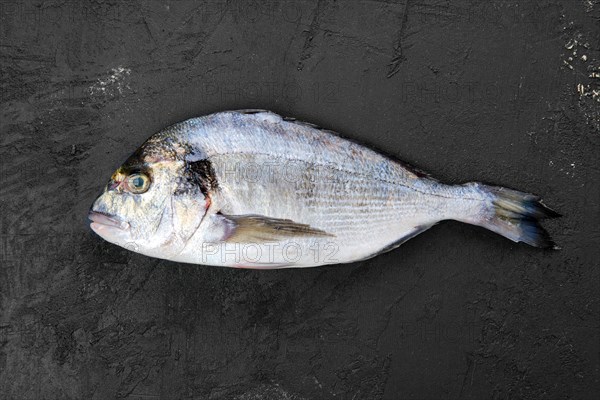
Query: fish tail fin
[(513, 214)]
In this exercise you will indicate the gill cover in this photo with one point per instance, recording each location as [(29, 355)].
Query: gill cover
[(191, 199)]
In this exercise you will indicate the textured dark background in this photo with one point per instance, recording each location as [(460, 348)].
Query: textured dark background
[(498, 91)]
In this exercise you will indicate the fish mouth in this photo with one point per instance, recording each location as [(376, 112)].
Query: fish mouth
[(100, 219)]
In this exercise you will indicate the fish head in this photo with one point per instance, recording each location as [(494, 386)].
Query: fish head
[(153, 203)]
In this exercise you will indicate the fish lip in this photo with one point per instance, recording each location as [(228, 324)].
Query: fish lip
[(107, 220)]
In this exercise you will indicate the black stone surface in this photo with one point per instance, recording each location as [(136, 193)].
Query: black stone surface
[(496, 91)]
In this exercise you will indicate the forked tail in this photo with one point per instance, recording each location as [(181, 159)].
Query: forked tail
[(512, 214)]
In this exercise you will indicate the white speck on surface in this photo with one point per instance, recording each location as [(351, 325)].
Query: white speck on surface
[(567, 64), (112, 84), (570, 44), (268, 392), (584, 58)]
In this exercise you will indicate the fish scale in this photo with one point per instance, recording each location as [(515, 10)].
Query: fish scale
[(357, 200)]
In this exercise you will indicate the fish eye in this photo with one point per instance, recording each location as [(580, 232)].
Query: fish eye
[(138, 183)]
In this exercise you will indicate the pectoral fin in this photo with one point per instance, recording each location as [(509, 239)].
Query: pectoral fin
[(261, 229)]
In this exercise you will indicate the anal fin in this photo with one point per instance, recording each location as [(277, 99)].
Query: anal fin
[(405, 238)]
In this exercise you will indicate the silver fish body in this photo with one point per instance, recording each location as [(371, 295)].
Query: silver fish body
[(252, 189)]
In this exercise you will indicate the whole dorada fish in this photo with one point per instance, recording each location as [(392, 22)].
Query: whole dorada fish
[(252, 189)]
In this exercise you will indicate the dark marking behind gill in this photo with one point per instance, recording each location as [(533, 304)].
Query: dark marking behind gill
[(202, 174)]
